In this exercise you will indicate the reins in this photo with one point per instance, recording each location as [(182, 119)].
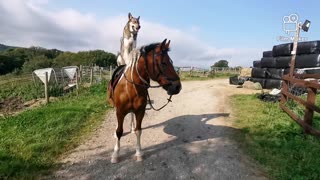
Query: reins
[(169, 100)]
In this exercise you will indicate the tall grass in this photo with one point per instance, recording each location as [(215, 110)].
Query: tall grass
[(272, 138), (31, 141)]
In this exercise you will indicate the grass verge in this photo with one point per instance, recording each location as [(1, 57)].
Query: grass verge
[(274, 140), (198, 77), (31, 142)]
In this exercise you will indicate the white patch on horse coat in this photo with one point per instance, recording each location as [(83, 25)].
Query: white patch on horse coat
[(138, 146)]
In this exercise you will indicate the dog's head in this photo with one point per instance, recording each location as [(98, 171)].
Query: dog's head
[(134, 24)]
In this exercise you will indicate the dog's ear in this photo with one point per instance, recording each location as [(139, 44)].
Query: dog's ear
[(129, 16), (163, 44), (168, 44), (138, 18)]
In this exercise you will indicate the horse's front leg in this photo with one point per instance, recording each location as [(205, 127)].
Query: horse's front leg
[(132, 123), (119, 133), (138, 131)]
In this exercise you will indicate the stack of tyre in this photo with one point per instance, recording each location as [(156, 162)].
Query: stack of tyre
[(274, 64)]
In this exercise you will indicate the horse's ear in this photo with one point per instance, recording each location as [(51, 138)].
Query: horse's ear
[(138, 18), (163, 43), (129, 16), (168, 44)]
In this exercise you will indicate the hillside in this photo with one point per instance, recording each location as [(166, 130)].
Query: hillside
[(5, 47)]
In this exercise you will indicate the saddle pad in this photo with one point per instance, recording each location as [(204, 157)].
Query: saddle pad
[(116, 75)]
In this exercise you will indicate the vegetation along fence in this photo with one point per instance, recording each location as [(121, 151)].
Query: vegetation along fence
[(18, 92), (293, 86)]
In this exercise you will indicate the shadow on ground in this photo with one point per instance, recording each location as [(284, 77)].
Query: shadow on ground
[(197, 150)]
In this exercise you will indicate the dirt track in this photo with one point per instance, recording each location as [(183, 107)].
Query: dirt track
[(189, 139)]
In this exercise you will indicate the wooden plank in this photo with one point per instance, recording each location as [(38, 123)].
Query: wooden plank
[(46, 89), (301, 82), (311, 99), (304, 76), (308, 129), (285, 88), (301, 101)]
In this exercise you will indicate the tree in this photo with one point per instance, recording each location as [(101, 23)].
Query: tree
[(8, 64), (221, 63), (37, 62)]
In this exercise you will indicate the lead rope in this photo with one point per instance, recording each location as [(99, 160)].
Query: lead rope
[(169, 100)]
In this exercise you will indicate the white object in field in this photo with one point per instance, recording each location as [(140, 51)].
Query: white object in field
[(70, 71), (41, 73), (275, 91)]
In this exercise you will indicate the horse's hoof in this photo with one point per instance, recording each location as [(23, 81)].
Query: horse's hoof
[(132, 131), (114, 160), (138, 158)]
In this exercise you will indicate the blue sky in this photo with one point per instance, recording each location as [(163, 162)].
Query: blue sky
[(204, 31)]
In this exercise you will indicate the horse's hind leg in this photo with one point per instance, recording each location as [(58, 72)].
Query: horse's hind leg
[(119, 132), (139, 117)]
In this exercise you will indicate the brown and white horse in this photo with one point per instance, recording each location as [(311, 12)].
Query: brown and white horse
[(130, 94)]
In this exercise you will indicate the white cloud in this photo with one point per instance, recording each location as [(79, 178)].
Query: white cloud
[(29, 23)]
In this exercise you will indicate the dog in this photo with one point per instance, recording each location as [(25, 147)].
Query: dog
[(129, 39)]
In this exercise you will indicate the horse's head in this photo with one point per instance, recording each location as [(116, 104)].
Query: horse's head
[(160, 68)]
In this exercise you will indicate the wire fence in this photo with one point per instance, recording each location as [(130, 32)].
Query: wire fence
[(23, 90), (194, 72)]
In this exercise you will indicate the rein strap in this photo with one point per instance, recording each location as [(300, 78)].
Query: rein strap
[(169, 100)]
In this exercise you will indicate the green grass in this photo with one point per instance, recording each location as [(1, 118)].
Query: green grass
[(24, 87), (185, 76), (272, 138), (31, 142)]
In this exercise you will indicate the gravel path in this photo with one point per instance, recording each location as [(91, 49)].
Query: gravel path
[(189, 139)]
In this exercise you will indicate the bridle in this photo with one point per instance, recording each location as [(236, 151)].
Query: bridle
[(146, 84)]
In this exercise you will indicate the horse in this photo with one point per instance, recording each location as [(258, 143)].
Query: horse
[(130, 93)]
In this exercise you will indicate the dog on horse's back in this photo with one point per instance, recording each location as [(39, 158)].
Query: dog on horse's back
[(129, 39)]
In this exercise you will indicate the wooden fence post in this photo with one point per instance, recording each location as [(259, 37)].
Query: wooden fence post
[(110, 72), (311, 99), (77, 83), (46, 93), (100, 74), (91, 76), (285, 88), (80, 74)]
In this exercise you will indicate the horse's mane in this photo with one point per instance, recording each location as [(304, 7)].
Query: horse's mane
[(147, 48), (144, 50)]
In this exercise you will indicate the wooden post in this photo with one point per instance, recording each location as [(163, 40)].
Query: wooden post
[(80, 74), (46, 93), (91, 76), (311, 99), (100, 74), (294, 50), (110, 72), (77, 83), (285, 88)]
